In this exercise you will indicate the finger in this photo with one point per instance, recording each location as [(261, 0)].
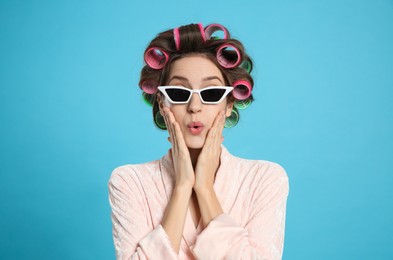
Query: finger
[(222, 124), (212, 130), (169, 126), (219, 120), (217, 126), (165, 115), (179, 136), (219, 138), (211, 135), (175, 134)]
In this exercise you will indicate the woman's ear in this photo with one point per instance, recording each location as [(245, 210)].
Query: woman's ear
[(229, 107)]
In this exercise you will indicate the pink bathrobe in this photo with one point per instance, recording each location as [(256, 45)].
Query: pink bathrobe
[(252, 193)]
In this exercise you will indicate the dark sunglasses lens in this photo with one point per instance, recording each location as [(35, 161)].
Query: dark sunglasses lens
[(178, 95), (212, 95)]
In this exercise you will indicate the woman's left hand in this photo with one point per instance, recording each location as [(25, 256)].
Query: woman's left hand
[(209, 158)]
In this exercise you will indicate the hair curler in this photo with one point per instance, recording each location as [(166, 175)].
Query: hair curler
[(243, 104), (149, 86), (176, 35), (233, 119), (148, 98), (246, 65), (241, 89), (214, 27), (156, 58), (159, 121), (202, 31), (228, 56)]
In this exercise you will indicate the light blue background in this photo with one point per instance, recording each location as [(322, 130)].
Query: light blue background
[(71, 112)]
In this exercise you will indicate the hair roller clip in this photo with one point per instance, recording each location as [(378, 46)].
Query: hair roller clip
[(149, 86), (156, 58), (233, 119), (246, 65), (242, 104), (215, 27), (241, 89), (228, 56)]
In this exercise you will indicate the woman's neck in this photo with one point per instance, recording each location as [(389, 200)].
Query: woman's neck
[(194, 154)]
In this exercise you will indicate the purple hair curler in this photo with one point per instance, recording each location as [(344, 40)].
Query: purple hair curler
[(228, 56), (241, 89), (156, 58), (149, 86), (214, 27)]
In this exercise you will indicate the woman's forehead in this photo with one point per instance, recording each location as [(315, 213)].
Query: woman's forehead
[(195, 69)]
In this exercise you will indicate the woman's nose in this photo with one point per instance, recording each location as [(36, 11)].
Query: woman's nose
[(195, 104)]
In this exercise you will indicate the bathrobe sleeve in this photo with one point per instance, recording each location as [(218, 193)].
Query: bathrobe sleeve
[(262, 237), (133, 234)]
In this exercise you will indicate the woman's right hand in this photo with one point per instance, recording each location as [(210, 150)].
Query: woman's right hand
[(184, 172)]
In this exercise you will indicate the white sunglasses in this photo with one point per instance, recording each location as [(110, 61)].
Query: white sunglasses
[(182, 95)]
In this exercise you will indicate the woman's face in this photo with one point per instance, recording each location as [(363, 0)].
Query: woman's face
[(195, 72)]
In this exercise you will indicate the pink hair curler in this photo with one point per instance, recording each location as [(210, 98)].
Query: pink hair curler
[(202, 31), (228, 56), (176, 35), (156, 58), (149, 86), (241, 89), (214, 27)]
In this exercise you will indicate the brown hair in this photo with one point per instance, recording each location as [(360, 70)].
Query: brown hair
[(192, 42)]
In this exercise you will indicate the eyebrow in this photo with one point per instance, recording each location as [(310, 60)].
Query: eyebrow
[(204, 79)]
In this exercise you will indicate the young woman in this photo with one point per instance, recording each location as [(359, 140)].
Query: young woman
[(198, 201)]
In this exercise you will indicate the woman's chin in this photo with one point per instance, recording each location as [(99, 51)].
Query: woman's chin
[(196, 143)]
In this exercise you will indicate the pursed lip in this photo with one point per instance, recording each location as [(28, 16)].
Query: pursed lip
[(195, 128), (195, 125)]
